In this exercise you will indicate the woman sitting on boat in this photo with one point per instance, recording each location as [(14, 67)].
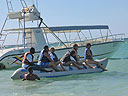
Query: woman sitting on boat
[(89, 57), (55, 58), (45, 59), (68, 59)]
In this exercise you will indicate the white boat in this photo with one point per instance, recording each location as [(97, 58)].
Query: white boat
[(19, 73), (24, 38)]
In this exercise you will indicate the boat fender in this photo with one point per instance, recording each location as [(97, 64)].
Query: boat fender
[(24, 70), (21, 77)]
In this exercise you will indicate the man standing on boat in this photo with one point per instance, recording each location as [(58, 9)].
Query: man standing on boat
[(89, 57), (55, 58), (28, 61), (45, 59)]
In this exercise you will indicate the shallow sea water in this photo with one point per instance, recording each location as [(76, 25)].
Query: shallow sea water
[(113, 82)]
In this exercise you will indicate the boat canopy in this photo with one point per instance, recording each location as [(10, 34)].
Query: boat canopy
[(79, 27), (65, 28)]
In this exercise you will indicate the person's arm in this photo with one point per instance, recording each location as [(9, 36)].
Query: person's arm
[(37, 77), (47, 55), (51, 56), (29, 58), (88, 52), (77, 56), (72, 58), (24, 78), (43, 69)]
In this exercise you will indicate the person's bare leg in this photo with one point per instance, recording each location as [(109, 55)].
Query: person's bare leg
[(44, 70), (76, 65), (89, 66), (59, 62), (80, 62), (53, 65), (97, 63), (67, 63), (62, 66), (71, 62)]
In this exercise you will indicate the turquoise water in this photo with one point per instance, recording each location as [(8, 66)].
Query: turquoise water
[(114, 82)]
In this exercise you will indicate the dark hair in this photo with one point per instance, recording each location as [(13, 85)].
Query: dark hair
[(75, 45), (52, 48), (88, 44), (46, 46), (32, 48)]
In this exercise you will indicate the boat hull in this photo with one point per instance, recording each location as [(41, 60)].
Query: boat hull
[(19, 73), (101, 50)]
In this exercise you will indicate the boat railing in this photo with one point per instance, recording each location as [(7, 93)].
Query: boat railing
[(18, 46), (115, 37), (103, 39), (2, 40)]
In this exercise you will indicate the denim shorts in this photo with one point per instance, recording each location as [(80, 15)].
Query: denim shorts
[(36, 67)]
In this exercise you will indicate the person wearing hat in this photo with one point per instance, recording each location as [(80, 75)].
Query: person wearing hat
[(45, 59), (55, 58)]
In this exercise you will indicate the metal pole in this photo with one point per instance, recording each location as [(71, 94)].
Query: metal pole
[(65, 37), (23, 5), (18, 34), (90, 34), (24, 28), (4, 25), (37, 4), (54, 34), (37, 9), (79, 36), (101, 35), (7, 5)]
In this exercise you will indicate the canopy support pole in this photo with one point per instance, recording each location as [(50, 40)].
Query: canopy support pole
[(54, 34), (101, 35), (79, 36)]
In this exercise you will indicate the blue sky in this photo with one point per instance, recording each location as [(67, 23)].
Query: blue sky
[(79, 12)]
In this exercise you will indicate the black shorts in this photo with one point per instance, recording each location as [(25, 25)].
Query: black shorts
[(35, 67)]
